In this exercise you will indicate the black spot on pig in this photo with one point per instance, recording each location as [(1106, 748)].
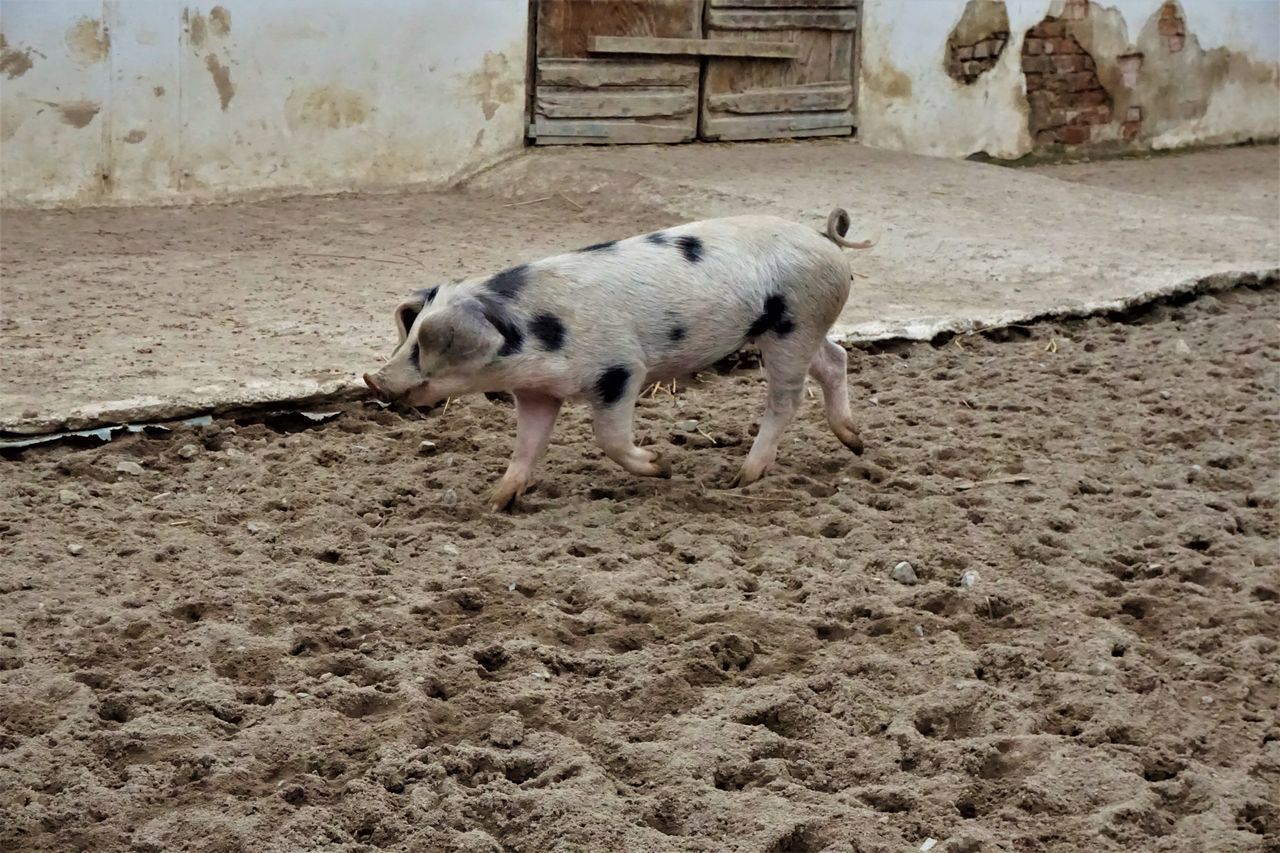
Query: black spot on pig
[(512, 337), (774, 318), (657, 238), (549, 331), (600, 247), (612, 384), (690, 247), (428, 295), (508, 283), (677, 334)]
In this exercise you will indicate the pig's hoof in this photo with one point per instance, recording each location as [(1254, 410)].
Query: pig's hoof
[(855, 445), (505, 499), (661, 467)]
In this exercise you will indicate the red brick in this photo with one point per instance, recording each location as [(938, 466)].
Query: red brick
[(1132, 129), (1067, 45), (1171, 27), (1051, 28), (1038, 65), (1087, 63), (1074, 135), (1046, 137), (1032, 47), (964, 52), (1066, 64), (1093, 98), (1134, 114), (1082, 81)]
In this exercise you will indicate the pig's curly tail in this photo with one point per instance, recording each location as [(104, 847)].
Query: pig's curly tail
[(838, 226)]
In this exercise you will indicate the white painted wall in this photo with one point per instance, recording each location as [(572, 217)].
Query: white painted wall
[(907, 101), (320, 95)]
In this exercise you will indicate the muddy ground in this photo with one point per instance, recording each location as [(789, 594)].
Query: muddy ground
[(301, 639)]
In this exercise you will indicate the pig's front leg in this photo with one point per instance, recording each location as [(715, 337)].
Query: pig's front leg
[(535, 418), (613, 412)]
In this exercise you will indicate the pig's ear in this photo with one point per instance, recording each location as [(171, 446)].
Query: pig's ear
[(407, 312), (461, 333)]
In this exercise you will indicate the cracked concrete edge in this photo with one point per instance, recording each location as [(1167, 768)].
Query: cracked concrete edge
[(306, 395), (927, 328)]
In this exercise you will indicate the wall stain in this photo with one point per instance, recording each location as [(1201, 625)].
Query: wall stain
[(88, 41), (196, 27), (492, 85), (219, 21), (135, 136), (886, 80), (221, 75), (13, 62), (158, 91), (11, 118), (76, 113), (326, 107)]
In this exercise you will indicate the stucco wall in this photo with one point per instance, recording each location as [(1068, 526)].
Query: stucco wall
[(151, 100), (1221, 86)]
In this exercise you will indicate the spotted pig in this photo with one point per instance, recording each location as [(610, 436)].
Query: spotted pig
[(604, 322)]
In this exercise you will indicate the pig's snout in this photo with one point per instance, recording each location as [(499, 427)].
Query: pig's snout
[(374, 386)]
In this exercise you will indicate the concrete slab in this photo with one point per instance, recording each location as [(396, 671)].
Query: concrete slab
[(145, 313)]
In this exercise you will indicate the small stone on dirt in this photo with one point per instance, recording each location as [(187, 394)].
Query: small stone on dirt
[(904, 573), (969, 579), (1181, 347), (427, 448), (188, 451), (129, 468), (686, 426), (68, 497), (255, 527), (507, 730), (74, 549)]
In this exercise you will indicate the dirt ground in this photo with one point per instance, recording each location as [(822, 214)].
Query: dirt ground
[(285, 639)]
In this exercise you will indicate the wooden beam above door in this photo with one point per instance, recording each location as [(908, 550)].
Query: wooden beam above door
[(744, 48)]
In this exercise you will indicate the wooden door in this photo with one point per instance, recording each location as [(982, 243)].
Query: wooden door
[(582, 97), (812, 95)]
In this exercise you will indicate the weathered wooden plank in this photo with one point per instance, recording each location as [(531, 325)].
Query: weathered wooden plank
[(841, 59), (601, 73), (610, 132), (782, 19), (784, 4), (809, 97), (694, 47), (616, 103), (776, 126), (564, 26)]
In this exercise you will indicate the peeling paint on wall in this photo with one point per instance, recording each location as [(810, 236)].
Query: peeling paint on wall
[(143, 101), (1174, 73), (492, 85), (979, 37), (14, 62), (88, 41)]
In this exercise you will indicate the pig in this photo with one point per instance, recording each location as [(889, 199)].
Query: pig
[(602, 323)]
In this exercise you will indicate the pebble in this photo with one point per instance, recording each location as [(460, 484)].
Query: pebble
[(918, 630), (74, 549), (188, 451), (449, 550), (929, 844), (255, 527), (904, 573), (686, 426), (1181, 347), (129, 468), (1206, 700), (427, 448), (68, 497), (969, 579)]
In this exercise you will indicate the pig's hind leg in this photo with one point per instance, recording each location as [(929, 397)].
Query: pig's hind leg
[(786, 362), (613, 410), (829, 367), (535, 418)]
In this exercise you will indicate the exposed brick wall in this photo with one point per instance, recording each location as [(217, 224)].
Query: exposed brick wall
[(1173, 28), (970, 61), (1067, 99)]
